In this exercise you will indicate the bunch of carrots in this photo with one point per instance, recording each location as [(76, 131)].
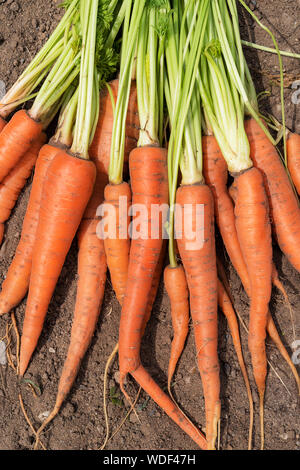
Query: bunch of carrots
[(182, 117)]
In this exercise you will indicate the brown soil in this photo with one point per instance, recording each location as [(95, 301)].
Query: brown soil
[(24, 27)]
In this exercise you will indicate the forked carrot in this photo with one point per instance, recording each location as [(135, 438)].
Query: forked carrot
[(199, 262), (293, 158), (14, 182), (148, 172), (15, 140), (16, 283), (66, 192)]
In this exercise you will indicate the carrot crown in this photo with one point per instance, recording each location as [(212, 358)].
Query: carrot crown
[(133, 16), (184, 45), (150, 71)]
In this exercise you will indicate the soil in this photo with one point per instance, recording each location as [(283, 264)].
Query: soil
[(24, 27)]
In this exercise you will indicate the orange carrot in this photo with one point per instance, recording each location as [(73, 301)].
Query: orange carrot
[(199, 263), (293, 158), (90, 291), (216, 174), (100, 147), (117, 244), (171, 409), (228, 310), (155, 285), (177, 289), (2, 123), (15, 140), (66, 192), (16, 283), (149, 180), (254, 232), (285, 212), (215, 177), (148, 172), (14, 182)]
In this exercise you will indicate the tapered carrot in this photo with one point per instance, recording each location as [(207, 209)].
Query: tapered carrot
[(148, 172), (285, 212), (117, 245), (177, 289), (14, 182), (100, 147), (228, 310), (15, 140), (90, 290), (199, 262), (216, 179), (293, 158), (216, 176), (254, 232), (66, 192), (16, 283)]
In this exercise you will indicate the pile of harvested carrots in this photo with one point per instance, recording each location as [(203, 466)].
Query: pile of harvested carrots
[(183, 118)]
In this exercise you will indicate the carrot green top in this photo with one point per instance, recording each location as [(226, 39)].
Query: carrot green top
[(27, 83), (184, 45)]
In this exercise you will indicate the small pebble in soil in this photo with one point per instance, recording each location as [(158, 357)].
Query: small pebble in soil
[(52, 350), (44, 415), (117, 378)]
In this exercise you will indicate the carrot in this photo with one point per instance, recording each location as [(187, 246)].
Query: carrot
[(117, 244), (228, 310), (16, 283), (15, 140), (201, 272), (215, 177), (14, 182), (216, 174), (90, 291), (66, 192), (285, 212), (171, 409), (155, 285), (100, 147), (177, 289), (254, 232), (2, 123), (293, 158), (148, 172)]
